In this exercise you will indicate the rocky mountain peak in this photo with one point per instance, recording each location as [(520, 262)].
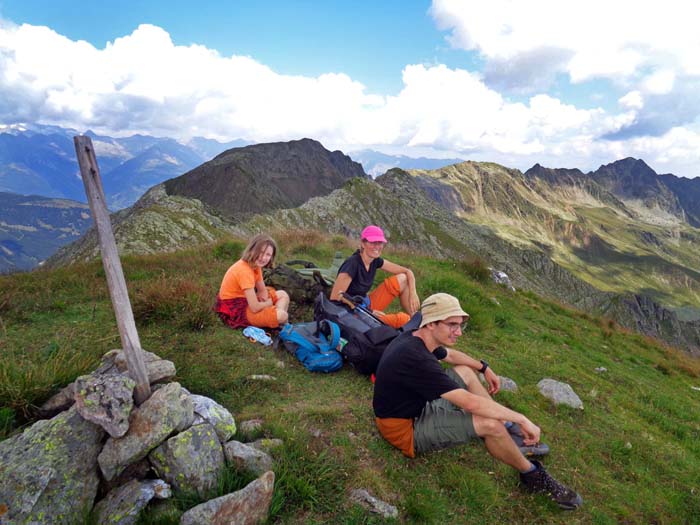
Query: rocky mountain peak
[(263, 177)]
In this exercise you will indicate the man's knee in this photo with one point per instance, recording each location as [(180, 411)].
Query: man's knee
[(488, 427), (467, 374)]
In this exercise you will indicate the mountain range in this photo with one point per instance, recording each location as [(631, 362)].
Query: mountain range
[(620, 241), (40, 160)]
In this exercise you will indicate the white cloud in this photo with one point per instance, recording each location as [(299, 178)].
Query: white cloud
[(660, 82), (632, 100), (143, 82), (603, 38)]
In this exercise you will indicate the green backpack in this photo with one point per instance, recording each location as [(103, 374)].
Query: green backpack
[(303, 280)]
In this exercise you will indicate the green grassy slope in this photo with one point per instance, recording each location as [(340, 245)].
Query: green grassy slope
[(633, 452), (615, 246)]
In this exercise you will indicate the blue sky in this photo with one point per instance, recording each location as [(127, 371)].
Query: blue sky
[(517, 83)]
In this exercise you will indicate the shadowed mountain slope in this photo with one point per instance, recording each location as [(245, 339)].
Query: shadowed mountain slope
[(264, 177), (32, 228)]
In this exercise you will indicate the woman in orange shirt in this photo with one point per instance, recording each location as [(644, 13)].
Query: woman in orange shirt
[(243, 298)]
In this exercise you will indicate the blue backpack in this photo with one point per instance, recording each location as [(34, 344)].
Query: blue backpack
[(308, 343)]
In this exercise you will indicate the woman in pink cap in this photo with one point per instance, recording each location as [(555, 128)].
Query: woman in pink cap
[(356, 275)]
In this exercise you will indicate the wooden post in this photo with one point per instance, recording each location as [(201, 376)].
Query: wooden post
[(113, 267)]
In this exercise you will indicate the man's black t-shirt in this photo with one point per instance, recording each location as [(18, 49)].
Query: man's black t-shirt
[(361, 278), (409, 376)]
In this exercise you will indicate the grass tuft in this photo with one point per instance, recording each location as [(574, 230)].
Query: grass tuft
[(183, 300)]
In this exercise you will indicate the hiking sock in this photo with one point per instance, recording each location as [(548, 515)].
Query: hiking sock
[(532, 468)]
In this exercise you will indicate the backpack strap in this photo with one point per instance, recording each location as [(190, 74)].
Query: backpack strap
[(335, 334)]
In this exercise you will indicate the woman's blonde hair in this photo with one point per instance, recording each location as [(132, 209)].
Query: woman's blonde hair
[(257, 246)]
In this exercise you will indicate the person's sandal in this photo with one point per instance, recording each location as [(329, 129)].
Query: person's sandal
[(257, 335)]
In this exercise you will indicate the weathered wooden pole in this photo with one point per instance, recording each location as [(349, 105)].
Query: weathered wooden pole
[(113, 267)]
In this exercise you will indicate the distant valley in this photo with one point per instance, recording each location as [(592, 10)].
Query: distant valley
[(33, 228)]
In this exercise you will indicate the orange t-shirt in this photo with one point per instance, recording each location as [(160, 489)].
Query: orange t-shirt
[(399, 432), (239, 277)]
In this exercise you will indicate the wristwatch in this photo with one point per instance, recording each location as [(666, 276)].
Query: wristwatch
[(484, 366)]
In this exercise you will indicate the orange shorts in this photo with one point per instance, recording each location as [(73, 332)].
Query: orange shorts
[(267, 317), (382, 296)]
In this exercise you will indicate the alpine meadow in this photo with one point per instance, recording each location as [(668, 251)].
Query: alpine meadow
[(605, 299)]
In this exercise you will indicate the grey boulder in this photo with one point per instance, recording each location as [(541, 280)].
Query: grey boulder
[(247, 506), (560, 393), (48, 473), (191, 461), (167, 411)]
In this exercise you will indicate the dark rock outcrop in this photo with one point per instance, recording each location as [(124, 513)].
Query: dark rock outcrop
[(265, 177)]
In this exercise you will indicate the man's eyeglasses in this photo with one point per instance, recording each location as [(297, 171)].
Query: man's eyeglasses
[(455, 326)]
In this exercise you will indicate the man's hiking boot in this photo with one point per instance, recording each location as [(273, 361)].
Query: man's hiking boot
[(540, 482), (538, 449)]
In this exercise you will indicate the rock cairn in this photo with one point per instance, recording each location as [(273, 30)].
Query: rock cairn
[(97, 453)]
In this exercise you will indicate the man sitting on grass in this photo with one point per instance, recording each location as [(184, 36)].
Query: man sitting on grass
[(420, 406)]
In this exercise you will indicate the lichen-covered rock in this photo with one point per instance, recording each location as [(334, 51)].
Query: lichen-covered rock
[(106, 400), (157, 369), (366, 500), (246, 457), (217, 416), (48, 473), (168, 410), (123, 505), (140, 470), (247, 506), (191, 461), (560, 393)]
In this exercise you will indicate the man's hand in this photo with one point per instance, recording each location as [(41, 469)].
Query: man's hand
[(493, 380), (531, 432)]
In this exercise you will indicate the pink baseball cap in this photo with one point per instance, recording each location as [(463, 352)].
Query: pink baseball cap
[(373, 234)]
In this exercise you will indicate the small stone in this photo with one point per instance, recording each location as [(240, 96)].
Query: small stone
[(267, 444), (628, 445), (251, 425), (246, 457), (366, 500), (508, 385), (262, 377), (601, 369), (559, 393)]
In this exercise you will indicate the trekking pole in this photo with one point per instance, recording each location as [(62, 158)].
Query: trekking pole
[(346, 301), (359, 307)]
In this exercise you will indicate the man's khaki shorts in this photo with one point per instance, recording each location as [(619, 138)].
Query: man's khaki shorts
[(442, 424)]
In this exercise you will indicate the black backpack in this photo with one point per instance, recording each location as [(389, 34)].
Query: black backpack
[(367, 336)]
